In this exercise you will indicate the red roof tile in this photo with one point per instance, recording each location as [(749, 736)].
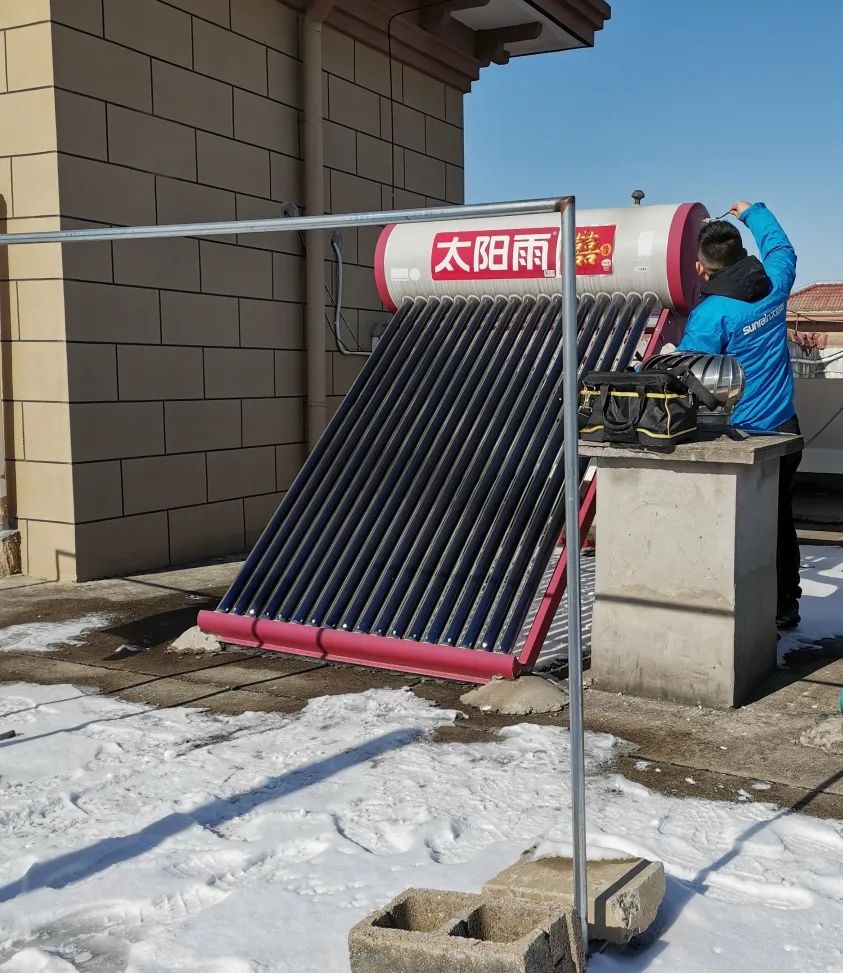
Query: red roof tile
[(821, 298)]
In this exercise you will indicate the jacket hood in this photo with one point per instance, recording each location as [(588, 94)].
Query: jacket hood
[(745, 281)]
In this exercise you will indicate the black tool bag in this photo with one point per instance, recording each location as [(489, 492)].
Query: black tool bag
[(655, 410)]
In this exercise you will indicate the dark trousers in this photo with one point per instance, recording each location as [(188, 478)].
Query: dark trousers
[(787, 551)]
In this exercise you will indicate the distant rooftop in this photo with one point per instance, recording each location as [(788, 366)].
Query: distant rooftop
[(823, 298)]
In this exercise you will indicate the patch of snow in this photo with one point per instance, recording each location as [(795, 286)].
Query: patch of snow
[(48, 636), (821, 606), (154, 841)]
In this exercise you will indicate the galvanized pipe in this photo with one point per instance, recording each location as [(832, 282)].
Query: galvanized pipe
[(296, 224), (572, 543)]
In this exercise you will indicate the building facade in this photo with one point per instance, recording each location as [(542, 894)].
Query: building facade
[(155, 392)]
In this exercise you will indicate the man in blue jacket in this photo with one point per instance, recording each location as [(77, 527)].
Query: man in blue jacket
[(744, 314)]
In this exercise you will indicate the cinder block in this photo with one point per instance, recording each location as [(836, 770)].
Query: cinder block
[(351, 105), (40, 311), (338, 53), (288, 461), (272, 23), (409, 126), (161, 482), (623, 896), (422, 174), (36, 185), (202, 425), (423, 92), (97, 491), (27, 122), (146, 372), (91, 372), (287, 178), (262, 121), (288, 277), (44, 491), (198, 319), (258, 512), (371, 68), (51, 550), (290, 373), (105, 193), (350, 194), (238, 373), (210, 530), (29, 57), (428, 931), (153, 144), (273, 421), (96, 67), (271, 324), (46, 431), (284, 79), (216, 10), (233, 165), (83, 14), (228, 56), (190, 98), (240, 472), (109, 548), (39, 371), (444, 141), (374, 159), (105, 312), (340, 147), (18, 13), (235, 270), (81, 125), (170, 264), (152, 27), (111, 430), (188, 202)]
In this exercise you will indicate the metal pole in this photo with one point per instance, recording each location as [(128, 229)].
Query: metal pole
[(572, 544), (297, 224)]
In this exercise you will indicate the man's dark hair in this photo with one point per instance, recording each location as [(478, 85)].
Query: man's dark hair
[(720, 245)]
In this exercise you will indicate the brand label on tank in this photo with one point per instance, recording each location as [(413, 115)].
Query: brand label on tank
[(495, 254), (595, 250)]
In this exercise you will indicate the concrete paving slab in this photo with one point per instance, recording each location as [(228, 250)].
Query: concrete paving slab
[(623, 896)]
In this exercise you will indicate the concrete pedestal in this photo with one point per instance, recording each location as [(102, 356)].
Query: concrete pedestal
[(685, 599)]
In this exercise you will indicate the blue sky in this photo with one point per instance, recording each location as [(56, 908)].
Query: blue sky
[(686, 100)]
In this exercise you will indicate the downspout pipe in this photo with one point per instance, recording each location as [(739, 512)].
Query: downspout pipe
[(314, 192)]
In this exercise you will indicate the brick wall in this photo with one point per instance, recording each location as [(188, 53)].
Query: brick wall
[(157, 387)]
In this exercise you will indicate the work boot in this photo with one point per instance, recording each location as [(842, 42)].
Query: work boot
[(787, 616)]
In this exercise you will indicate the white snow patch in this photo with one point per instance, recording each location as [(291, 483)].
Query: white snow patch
[(821, 607), (47, 636), (154, 841)]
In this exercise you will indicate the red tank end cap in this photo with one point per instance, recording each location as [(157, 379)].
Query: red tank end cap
[(380, 268), (682, 279)]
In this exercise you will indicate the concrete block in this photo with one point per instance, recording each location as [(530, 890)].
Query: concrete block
[(198, 319), (255, 208), (290, 372), (374, 158), (29, 57), (258, 512), (92, 190), (338, 53), (27, 123), (46, 432), (271, 324), (371, 68), (229, 56), (18, 13), (517, 697), (340, 147), (97, 491), (273, 421), (423, 174), (351, 105), (190, 98), (216, 10), (169, 264), (82, 14), (210, 530), (262, 121), (288, 277), (408, 125), (152, 27), (268, 21), (233, 165), (153, 144), (161, 482), (241, 472), (196, 642), (237, 271), (284, 79), (103, 312), (91, 373), (202, 425), (444, 141), (288, 460), (50, 550), (238, 373), (10, 553), (39, 371), (188, 202), (113, 430), (287, 178), (425, 931), (81, 125), (44, 491), (424, 92), (113, 547), (623, 896), (146, 372), (96, 67)]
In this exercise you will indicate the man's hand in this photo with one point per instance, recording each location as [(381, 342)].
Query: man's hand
[(739, 208)]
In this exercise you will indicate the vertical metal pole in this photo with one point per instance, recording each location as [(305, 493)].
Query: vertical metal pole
[(572, 545)]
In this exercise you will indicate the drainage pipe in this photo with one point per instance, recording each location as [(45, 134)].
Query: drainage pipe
[(314, 193)]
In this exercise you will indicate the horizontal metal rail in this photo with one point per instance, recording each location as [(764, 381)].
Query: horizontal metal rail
[(292, 224)]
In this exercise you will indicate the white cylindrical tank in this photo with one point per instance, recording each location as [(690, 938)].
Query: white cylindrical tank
[(627, 249)]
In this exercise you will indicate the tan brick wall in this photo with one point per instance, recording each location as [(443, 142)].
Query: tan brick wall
[(159, 386)]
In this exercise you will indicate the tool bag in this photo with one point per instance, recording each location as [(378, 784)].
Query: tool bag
[(656, 410)]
